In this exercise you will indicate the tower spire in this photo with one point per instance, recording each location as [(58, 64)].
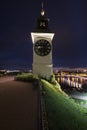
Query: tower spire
[(42, 11)]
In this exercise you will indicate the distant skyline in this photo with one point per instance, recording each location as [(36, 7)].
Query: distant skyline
[(68, 20)]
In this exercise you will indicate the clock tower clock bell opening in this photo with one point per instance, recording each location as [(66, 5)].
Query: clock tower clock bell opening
[(42, 47)]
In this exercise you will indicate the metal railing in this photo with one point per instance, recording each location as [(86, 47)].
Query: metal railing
[(43, 123)]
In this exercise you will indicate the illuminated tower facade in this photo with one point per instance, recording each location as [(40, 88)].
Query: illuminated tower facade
[(42, 47)]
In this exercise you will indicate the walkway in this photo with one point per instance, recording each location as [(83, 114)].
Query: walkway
[(18, 106), (6, 79)]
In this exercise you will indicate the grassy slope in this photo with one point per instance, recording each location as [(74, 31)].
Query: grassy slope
[(62, 112)]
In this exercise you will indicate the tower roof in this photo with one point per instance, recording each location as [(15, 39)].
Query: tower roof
[(42, 22)]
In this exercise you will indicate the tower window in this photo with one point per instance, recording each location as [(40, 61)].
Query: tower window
[(42, 24)]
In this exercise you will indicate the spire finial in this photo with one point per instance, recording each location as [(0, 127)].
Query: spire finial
[(42, 11), (42, 5)]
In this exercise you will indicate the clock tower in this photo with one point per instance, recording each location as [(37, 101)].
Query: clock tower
[(42, 47)]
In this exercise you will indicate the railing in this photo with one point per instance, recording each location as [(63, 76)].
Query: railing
[(43, 124)]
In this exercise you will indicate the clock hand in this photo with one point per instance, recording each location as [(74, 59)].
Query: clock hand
[(39, 47)]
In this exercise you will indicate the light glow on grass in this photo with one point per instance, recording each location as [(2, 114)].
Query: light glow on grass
[(80, 97)]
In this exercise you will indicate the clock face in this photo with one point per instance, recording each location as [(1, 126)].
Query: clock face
[(42, 47)]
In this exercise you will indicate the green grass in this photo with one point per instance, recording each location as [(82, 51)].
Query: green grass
[(62, 111), (26, 77)]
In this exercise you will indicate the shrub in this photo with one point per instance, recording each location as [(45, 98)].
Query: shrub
[(26, 77)]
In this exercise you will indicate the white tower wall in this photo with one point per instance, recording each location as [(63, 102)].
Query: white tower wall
[(42, 65)]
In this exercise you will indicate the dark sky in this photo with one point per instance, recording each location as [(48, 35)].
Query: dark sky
[(68, 20)]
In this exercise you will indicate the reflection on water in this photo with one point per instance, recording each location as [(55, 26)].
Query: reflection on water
[(74, 84)]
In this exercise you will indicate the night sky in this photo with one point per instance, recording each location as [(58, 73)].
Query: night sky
[(68, 20)]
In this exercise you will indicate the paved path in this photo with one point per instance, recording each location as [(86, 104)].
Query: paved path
[(18, 106), (6, 79)]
